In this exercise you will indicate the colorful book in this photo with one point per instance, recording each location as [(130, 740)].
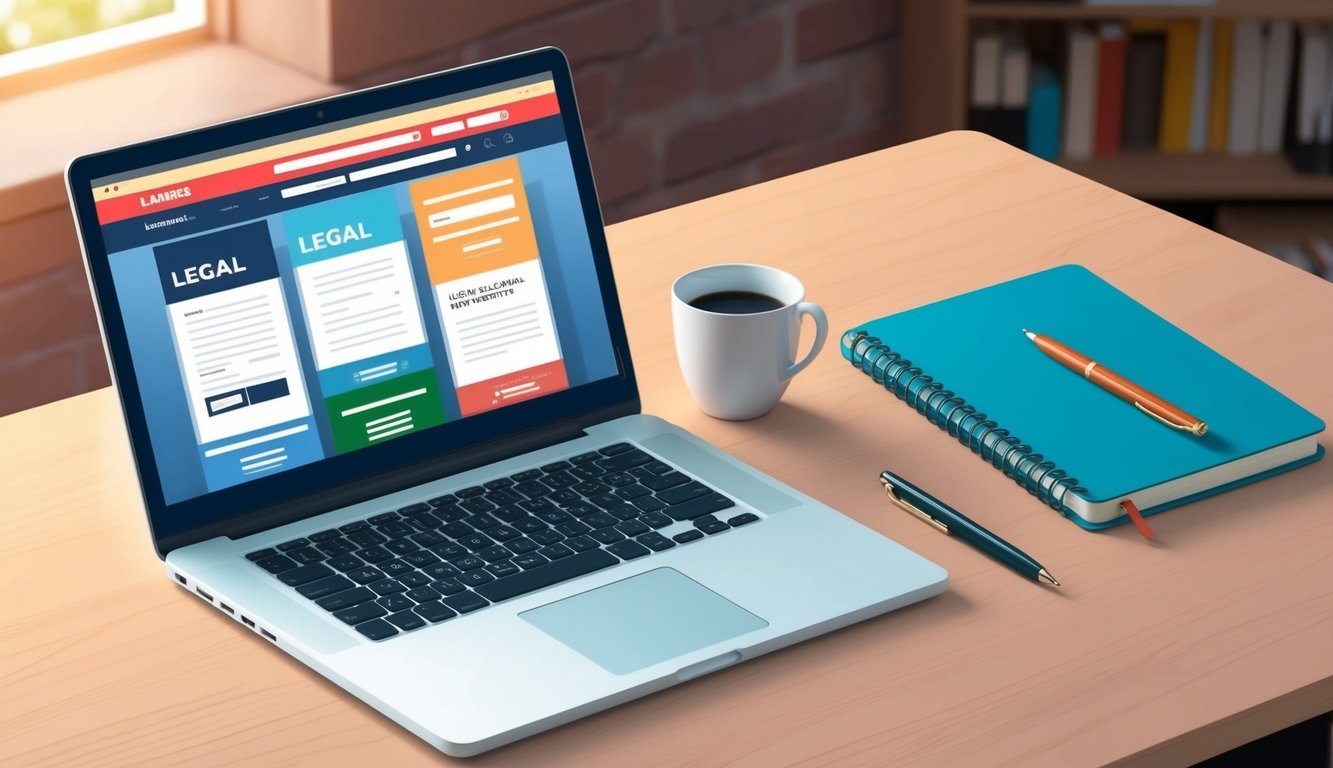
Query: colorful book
[(1247, 82), (1219, 100), (1112, 52), (1182, 40), (1143, 69), (1044, 113), (965, 364), (1203, 83), (1080, 92)]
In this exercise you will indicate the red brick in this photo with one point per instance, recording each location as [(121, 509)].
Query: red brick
[(742, 53), (593, 88), (45, 311), (39, 378), (660, 78), (598, 31), (824, 150), (697, 188), (809, 111), (622, 164), (837, 25), (691, 15)]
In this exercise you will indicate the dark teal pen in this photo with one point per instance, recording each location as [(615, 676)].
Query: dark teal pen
[(945, 519)]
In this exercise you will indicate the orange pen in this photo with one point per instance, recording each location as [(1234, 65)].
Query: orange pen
[(1118, 385)]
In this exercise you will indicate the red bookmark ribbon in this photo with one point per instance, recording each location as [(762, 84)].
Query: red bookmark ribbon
[(1137, 518)]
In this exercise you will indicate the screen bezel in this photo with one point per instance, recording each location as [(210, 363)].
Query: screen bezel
[(432, 453)]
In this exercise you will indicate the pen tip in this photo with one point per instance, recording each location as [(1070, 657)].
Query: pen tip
[(1029, 334), (1045, 575)]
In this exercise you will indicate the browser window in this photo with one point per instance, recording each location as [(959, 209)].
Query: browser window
[(337, 289)]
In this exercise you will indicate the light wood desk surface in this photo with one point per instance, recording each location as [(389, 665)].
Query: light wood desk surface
[(1153, 653)]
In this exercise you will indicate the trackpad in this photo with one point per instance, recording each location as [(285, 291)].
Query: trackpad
[(643, 620)]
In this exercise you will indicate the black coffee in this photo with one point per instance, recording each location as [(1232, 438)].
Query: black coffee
[(736, 303)]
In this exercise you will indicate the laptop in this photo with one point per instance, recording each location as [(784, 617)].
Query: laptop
[(376, 383)]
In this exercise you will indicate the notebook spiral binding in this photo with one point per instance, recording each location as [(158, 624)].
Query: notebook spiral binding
[(971, 427)]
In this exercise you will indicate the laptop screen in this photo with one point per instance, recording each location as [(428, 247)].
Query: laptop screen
[(335, 290)]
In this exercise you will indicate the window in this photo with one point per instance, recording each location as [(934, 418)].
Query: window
[(35, 33)]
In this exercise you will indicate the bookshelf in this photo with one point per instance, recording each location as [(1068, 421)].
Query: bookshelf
[(936, 48)]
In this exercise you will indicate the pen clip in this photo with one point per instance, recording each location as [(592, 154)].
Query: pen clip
[(922, 516), (1195, 429)]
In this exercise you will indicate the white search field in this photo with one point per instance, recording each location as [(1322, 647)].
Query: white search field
[(355, 150), (314, 186), (453, 126), (402, 165), (471, 211), (488, 118)]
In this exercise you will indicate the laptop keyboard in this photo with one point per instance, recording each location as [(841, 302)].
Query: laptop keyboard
[(457, 553)]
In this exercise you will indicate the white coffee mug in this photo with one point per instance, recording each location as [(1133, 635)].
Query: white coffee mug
[(738, 365)]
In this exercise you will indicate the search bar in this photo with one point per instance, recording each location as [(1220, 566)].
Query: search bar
[(402, 165), (314, 186), (355, 150), (488, 118)]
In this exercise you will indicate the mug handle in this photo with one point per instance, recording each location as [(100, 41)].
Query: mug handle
[(816, 313)]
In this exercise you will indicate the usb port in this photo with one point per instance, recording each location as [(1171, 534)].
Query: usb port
[(227, 608), (181, 579), (204, 594), (272, 637), (248, 622)]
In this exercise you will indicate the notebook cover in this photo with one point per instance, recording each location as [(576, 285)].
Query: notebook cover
[(974, 345)]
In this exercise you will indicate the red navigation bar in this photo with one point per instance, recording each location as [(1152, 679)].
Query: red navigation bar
[(366, 148)]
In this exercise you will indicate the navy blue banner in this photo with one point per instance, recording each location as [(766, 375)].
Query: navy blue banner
[(264, 201), (216, 262)]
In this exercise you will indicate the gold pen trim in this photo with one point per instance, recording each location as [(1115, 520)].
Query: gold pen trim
[(1087, 369), (892, 493), (1197, 429)]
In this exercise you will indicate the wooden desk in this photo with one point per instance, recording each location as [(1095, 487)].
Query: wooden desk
[(1153, 653)]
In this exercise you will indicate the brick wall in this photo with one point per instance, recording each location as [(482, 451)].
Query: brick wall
[(681, 99)]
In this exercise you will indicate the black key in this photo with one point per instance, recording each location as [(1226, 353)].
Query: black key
[(684, 537), (442, 501), (304, 574), (528, 524), (683, 493), (537, 505), (261, 554), (502, 497), (707, 505), (498, 484), (607, 535), (376, 629), (555, 466), (457, 529), (365, 575), (632, 528), (580, 543), (406, 620), (581, 509), (451, 514), (424, 521), (336, 547), (555, 551), (423, 594), (546, 575), (396, 568), (575, 528), (469, 563), (387, 587), (476, 578), (396, 529), (420, 559), (414, 579), (441, 570), (559, 480), (346, 563), (618, 478), (554, 516), (525, 475), (623, 512), (293, 544), (482, 521), (435, 611), (502, 533), (529, 561), (628, 549), (277, 563), (623, 461), (742, 519), (494, 553), (345, 599), (502, 568), (359, 613), (614, 448), (655, 541), (466, 602), (532, 489), (429, 539), (648, 504), (658, 467), (383, 518), (476, 541), (451, 551), (414, 509), (654, 520), (663, 482), (374, 554), (394, 603), (510, 514), (710, 525), (600, 520), (479, 504), (448, 586), (325, 587), (546, 536), (521, 546), (402, 546), (584, 458), (359, 525), (564, 497), (367, 537), (606, 500), (587, 471), (471, 491)]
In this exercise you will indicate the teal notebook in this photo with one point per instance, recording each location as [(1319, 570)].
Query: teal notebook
[(965, 364)]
